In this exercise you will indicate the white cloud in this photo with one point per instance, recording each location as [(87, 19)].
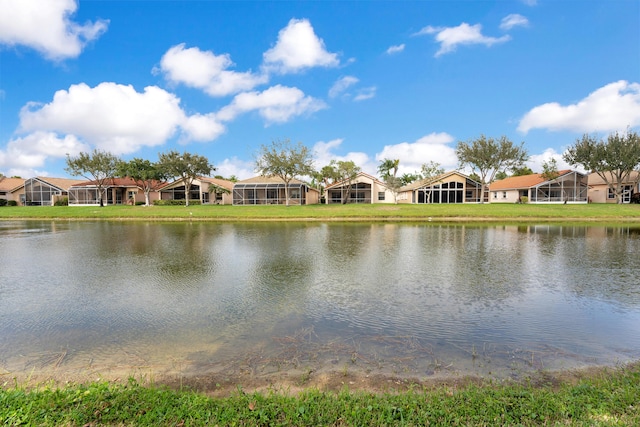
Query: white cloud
[(536, 160), (433, 147), (242, 169), (464, 34), (298, 48), (612, 107), (278, 104), (530, 2), (116, 118), (395, 49), (46, 27), (366, 93), (206, 71), (24, 155), (341, 85), (323, 155), (513, 20)]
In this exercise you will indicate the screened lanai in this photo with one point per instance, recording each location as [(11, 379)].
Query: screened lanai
[(268, 193), (45, 191), (450, 187), (570, 187)]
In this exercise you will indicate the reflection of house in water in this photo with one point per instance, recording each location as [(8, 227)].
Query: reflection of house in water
[(263, 190), (450, 187), (568, 187)]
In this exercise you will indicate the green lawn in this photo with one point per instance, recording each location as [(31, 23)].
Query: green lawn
[(465, 212)]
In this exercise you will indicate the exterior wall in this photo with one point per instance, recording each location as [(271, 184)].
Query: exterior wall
[(364, 189), (504, 196), (599, 193), (452, 188)]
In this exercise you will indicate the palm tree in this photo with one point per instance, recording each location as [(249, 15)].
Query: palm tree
[(388, 168)]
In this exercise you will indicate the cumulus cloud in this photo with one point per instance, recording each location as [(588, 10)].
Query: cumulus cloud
[(241, 169), (536, 161), (298, 48), (324, 154), (206, 71), (395, 49), (46, 27), (433, 147), (278, 104), (116, 117), (612, 107), (341, 85), (464, 34), (24, 155), (513, 20)]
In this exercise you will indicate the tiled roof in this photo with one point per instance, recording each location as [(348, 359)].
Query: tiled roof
[(219, 182), (524, 181), (11, 184), (427, 181), (63, 183), (359, 175), (117, 182), (267, 180)]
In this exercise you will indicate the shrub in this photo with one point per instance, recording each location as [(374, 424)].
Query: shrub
[(3, 202), (12, 203), (524, 199), (63, 201), (635, 198)]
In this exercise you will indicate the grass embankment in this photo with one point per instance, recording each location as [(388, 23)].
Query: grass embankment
[(376, 212), (608, 398)]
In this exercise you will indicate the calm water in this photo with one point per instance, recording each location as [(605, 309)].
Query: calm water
[(403, 299)]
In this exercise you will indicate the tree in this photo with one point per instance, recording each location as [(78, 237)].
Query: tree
[(500, 175), (613, 160), (408, 178), (98, 166), (145, 174), (521, 171), (486, 156), (388, 167), (346, 171), (284, 160), (186, 167), (431, 170), (216, 189), (550, 170)]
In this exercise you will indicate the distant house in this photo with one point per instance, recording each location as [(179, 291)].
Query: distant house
[(449, 187), (600, 192), (118, 191), (262, 190), (45, 191), (205, 189), (569, 187), (364, 188), (12, 189)]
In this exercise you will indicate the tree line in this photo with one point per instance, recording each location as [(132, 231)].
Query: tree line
[(614, 158)]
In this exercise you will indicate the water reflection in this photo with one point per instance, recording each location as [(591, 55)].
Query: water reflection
[(207, 294)]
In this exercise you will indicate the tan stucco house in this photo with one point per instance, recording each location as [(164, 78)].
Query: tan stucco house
[(12, 189), (263, 190), (364, 189), (569, 187), (600, 192), (45, 191), (449, 187), (117, 191), (200, 190)]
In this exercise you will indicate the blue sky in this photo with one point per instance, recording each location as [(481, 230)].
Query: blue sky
[(353, 80)]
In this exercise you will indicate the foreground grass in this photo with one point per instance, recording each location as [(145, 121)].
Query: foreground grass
[(608, 398), (408, 212)]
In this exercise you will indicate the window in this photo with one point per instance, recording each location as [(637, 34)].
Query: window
[(381, 195), (504, 194), (495, 194), (611, 194), (295, 193), (272, 194)]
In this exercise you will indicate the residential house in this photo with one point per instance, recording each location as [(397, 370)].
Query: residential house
[(12, 189), (117, 191), (263, 190), (449, 187), (569, 187), (45, 191), (205, 189), (600, 192), (364, 188)]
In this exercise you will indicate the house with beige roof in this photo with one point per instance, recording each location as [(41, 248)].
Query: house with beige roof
[(116, 191), (205, 189), (364, 188), (449, 187), (264, 190), (11, 189), (569, 187), (45, 191), (601, 192)]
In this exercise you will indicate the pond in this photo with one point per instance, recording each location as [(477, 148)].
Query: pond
[(412, 300)]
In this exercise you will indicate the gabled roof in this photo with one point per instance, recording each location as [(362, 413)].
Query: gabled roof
[(523, 181), (429, 181), (595, 179), (219, 182), (61, 183), (359, 175), (11, 184), (117, 182), (268, 180)]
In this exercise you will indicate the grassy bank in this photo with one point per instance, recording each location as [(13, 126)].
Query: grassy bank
[(463, 212), (604, 398)]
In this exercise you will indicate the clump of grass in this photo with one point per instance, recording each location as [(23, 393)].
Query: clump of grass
[(610, 398)]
